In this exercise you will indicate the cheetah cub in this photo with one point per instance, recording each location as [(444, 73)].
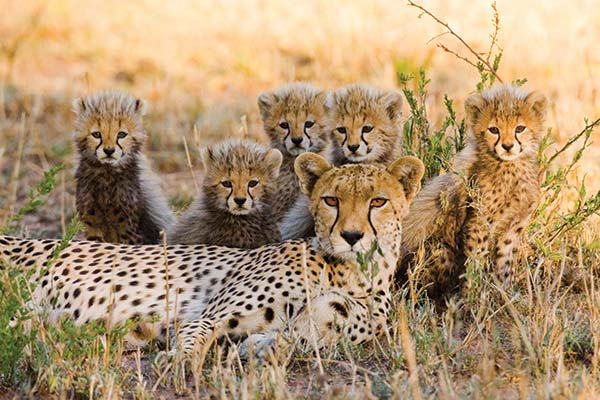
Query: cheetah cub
[(481, 210), (365, 125), (234, 208), (117, 196), (294, 118), (365, 128)]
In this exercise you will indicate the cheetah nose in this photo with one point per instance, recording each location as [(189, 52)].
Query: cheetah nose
[(239, 200), (297, 140), (352, 236), (353, 147), (508, 146), (109, 151)]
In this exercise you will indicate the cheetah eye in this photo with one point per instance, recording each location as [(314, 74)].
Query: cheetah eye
[(226, 184), (309, 124), (520, 129), (378, 202), (252, 183), (494, 130), (121, 135), (341, 130), (96, 135), (284, 125), (367, 129), (331, 201)]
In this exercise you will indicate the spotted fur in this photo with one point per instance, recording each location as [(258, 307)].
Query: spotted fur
[(480, 212), (117, 196), (212, 290), (234, 207)]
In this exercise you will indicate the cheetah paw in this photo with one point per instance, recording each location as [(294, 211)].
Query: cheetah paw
[(258, 345)]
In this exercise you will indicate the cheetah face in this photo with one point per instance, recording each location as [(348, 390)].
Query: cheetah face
[(239, 175), (294, 118), (364, 122), (109, 126), (355, 205), (507, 121)]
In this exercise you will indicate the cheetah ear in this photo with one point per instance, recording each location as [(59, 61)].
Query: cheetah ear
[(323, 99), (310, 167), (392, 101), (273, 159), (265, 103), (206, 159), (474, 106), (409, 171), (141, 107), (537, 103), (79, 106)]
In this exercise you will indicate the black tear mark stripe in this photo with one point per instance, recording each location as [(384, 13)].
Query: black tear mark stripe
[(99, 144), (371, 222), (337, 216)]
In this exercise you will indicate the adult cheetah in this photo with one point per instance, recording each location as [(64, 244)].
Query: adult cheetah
[(211, 290)]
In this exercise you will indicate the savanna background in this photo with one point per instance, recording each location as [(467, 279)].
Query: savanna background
[(201, 66)]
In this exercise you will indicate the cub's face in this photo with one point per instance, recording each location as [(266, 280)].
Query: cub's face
[(364, 122), (240, 187), (355, 205), (109, 129), (506, 121), (294, 117)]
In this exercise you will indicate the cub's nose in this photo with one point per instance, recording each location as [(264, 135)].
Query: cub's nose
[(508, 146), (353, 147), (352, 236), (297, 140), (109, 151), (239, 200)]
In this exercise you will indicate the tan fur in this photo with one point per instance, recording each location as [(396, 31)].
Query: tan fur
[(365, 125), (352, 108), (234, 208), (218, 290), (287, 113), (482, 210), (118, 197)]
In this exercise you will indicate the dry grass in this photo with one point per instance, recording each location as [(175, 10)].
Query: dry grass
[(201, 65)]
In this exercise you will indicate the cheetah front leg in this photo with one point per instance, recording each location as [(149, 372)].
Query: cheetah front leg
[(335, 314), (194, 335), (506, 247)]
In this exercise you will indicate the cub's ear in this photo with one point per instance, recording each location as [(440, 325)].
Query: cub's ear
[(323, 99), (392, 101), (474, 106), (310, 167), (409, 171), (79, 106), (140, 107), (206, 159), (273, 159), (265, 103), (538, 103)]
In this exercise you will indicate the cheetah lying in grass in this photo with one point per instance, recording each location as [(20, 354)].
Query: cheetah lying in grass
[(213, 290)]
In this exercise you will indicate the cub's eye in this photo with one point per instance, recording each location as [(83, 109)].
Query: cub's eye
[(252, 183), (284, 125), (367, 129), (309, 124), (494, 130), (378, 202), (226, 184), (96, 135), (520, 129), (331, 201), (121, 135), (341, 130)]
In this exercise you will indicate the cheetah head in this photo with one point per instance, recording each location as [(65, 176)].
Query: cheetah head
[(239, 175), (294, 118), (365, 122), (356, 204), (506, 120), (109, 126)]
